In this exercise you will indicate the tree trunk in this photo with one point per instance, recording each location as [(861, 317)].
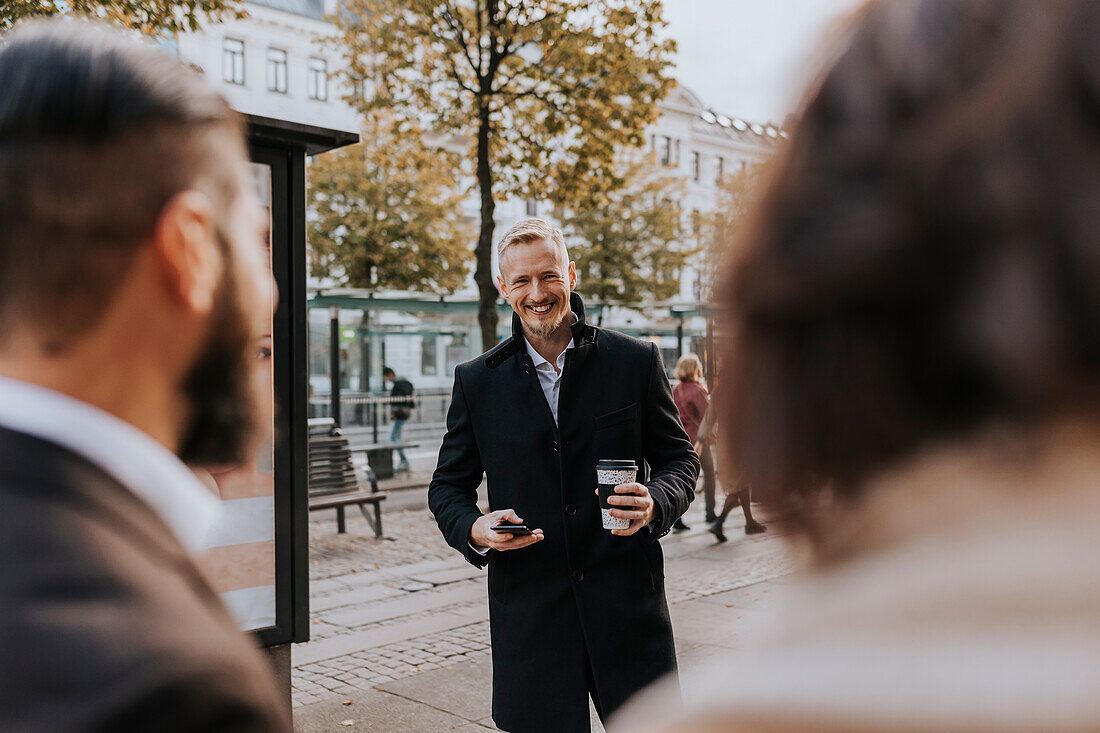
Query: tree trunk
[(483, 275)]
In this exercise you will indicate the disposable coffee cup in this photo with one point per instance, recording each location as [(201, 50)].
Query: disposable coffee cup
[(609, 474)]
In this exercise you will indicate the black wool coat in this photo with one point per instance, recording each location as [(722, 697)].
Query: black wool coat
[(581, 593)]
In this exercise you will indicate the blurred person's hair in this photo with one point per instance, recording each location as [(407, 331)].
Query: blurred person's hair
[(388, 372), (925, 258), (526, 231), (97, 134), (688, 368)]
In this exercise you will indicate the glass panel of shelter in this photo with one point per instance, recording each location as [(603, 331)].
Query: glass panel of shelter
[(241, 558)]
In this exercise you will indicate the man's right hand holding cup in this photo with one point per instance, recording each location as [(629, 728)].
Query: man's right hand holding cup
[(483, 536)]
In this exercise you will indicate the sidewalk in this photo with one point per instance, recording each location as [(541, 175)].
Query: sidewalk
[(400, 636)]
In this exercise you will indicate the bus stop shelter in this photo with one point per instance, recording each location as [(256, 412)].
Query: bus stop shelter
[(258, 560)]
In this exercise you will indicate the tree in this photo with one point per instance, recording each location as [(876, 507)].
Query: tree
[(549, 90), (165, 17), (387, 213), (630, 246), (737, 194)]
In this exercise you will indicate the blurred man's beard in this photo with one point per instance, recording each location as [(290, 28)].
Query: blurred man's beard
[(224, 418)]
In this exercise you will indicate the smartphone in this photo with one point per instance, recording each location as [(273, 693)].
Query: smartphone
[(515, 529)]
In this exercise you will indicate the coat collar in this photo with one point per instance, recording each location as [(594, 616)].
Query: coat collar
[(584, 337), (582, 332)]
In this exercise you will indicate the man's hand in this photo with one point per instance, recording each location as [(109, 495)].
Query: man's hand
[(481, 534), (637, 505)]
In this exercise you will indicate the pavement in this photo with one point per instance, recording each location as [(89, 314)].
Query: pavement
[(399, 625)]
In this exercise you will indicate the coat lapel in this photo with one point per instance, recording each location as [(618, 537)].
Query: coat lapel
[(584, 341)]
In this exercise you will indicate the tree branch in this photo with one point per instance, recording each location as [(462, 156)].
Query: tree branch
[(455, 22)]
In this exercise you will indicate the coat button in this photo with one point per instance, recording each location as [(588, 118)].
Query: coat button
[(578, 575), (555, 444), (571, 509)]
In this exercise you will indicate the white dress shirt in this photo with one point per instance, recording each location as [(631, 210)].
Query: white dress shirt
[(549, 376), (133, 458)]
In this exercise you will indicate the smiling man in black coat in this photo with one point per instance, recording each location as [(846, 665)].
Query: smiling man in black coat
[(574, 609)]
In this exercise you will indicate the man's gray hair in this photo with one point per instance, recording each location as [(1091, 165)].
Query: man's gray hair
[(526, 231)]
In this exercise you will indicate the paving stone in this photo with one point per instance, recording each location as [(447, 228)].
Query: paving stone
[(406, 605), (347, 597), (451, 689), (374, 711), (449, 575), (702, 622)]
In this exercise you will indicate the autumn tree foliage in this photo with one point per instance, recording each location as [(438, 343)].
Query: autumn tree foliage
[(163, 17), (630, 244), (543, 92), (387, 213), (722, 227)]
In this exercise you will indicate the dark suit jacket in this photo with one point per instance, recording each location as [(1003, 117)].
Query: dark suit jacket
[(581, 593), (105, 622)]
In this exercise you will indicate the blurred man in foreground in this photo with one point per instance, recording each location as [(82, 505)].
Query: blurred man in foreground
[(917, 327), (131, 270)]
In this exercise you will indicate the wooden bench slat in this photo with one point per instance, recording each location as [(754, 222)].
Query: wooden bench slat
[(362, 497)]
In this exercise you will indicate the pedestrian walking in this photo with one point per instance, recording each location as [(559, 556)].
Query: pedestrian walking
[(692, 402), (133, 265), (735, 490), (400, 411), (575, 609)]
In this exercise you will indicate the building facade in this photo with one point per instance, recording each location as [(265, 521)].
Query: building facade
[(275, 62)]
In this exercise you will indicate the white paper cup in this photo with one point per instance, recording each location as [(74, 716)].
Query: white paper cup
[(609, 474)]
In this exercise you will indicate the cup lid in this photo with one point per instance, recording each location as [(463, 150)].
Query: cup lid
[(608, 464)]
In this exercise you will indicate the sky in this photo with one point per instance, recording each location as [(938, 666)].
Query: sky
[(750, 58)]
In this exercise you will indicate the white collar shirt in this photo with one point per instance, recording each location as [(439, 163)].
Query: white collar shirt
[(132, 457), (549, 376)]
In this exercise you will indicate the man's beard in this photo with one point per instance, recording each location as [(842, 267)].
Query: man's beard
[(544, 329), (218, 388)]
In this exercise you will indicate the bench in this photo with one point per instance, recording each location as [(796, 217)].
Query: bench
[(333, 480)]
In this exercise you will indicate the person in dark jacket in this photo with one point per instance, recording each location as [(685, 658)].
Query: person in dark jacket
[(400, 411), (575, 609), (133, 265)]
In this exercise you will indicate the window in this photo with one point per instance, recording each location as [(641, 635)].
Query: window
[(233, 61), (427, 355), (276, 70), (532, 207), (695, 166), (666, 150), (696, 221), (721, 169), (317, 80), (676, 159)]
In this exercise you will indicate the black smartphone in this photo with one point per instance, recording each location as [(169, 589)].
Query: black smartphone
[(515, 529)]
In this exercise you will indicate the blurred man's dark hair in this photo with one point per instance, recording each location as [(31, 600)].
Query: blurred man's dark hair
[(926, 256), (388, 372), (81, 105)]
